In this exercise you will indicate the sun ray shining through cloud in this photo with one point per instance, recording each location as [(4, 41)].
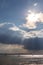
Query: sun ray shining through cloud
[(32, 18)]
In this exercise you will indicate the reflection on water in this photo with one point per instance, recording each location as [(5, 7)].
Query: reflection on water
[(21, 59)]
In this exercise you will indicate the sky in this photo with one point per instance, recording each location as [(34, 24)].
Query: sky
[(20, 20)]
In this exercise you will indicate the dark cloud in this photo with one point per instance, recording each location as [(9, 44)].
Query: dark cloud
[(8, 39), (33, 43), (8, 36)]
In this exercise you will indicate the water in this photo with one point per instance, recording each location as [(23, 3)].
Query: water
[(21, 59)]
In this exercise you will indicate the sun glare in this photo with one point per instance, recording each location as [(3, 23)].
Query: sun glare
[(32, 17)]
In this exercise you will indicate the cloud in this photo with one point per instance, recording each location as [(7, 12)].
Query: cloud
[(31, 34), (35, 4), (11, 48), (10, 31), (37, 33), (14, 28), (5, 23), (2, 24), (33, 43), (15, 35), (21, 33), (12, 34), (32, 19)]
